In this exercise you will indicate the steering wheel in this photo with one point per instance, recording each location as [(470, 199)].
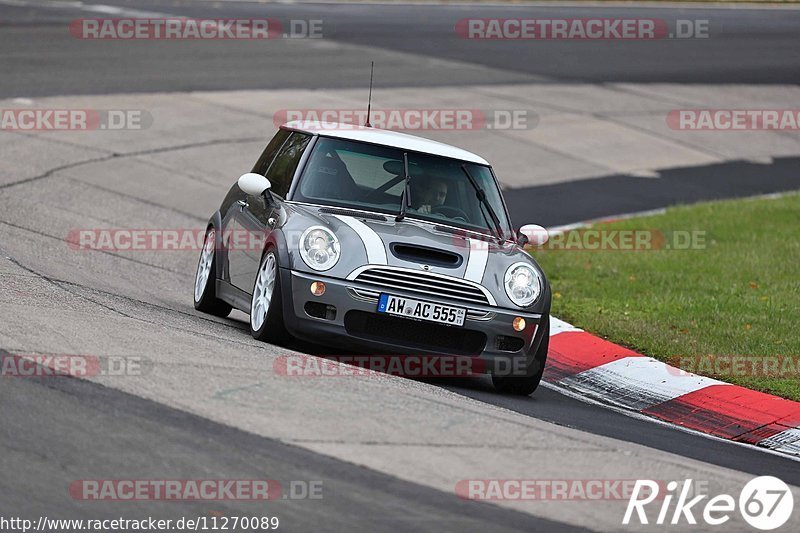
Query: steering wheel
[(450, 212)]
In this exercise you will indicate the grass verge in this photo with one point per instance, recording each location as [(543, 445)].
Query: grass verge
[(728, 306)]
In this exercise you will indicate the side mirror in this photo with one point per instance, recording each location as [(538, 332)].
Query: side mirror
[(534, 234), (254, 184)]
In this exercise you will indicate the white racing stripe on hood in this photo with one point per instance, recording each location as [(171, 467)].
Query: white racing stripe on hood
[(376, 251), (478, 257)]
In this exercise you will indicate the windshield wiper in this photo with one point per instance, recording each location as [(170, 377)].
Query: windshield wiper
[(481, 194), (405, 199)]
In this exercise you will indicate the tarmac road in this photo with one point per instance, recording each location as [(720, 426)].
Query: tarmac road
[(743, 46)]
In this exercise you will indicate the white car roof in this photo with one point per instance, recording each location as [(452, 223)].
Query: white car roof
[(383, 137)]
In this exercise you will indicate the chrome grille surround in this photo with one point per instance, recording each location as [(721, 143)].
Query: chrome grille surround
[(423, 284)]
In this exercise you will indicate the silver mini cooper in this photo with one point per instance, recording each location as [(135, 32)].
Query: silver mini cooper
[(380, 242)]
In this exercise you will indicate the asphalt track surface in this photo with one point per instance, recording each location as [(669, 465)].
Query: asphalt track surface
[(52, 429), (588, 199), (155, 439), (744, 46)]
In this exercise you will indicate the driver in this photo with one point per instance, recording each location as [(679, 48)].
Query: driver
[(433, 193)]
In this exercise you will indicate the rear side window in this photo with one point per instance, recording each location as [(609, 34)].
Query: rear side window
[(282, 169), (262, 165)]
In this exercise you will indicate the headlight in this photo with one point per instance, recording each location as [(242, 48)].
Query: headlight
[(319, 248), (522, 284)]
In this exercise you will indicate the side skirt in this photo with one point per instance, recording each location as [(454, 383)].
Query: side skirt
[(233, 295)]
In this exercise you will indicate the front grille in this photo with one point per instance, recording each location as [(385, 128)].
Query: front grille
[(423, 284), (414, 334)]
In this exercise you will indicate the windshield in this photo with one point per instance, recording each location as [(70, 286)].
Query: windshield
[(364, 176)]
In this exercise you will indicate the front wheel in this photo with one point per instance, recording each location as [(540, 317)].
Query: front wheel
[(266, 316), (205, 281), (525, 385)]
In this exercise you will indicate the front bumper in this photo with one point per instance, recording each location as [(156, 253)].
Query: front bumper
[(355, 325)]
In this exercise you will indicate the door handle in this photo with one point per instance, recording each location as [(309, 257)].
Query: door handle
[(242, 204)]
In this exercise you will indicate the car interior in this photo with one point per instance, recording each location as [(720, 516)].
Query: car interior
[(372, 181)]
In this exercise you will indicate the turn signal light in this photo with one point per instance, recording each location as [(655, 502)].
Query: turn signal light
[(518, 323), (317, 288)]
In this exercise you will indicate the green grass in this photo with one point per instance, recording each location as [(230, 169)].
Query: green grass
[(737, 296)]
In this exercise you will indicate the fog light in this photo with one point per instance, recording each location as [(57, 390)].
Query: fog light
[(317, 288), (518, 323)]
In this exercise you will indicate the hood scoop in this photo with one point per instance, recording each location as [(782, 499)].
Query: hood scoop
[(426, 255)]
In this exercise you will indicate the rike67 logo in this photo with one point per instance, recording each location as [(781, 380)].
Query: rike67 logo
[(765, 503)]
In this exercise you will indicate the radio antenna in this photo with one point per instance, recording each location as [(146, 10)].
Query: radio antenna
[(369, 100)]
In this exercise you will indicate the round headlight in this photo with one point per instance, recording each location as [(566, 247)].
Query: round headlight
[(522, 284), (319, 248)]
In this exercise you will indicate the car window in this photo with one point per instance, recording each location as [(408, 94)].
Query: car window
[(282, 169), (368, 170), (263, 163), (365, 176)]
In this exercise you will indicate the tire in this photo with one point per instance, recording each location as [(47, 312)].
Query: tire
[(266, 314), (205, 286), (525, 385)]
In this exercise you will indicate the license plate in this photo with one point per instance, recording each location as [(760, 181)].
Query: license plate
[(420, 310)]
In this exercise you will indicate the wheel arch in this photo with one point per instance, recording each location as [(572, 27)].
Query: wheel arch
[(216, 222), (277, 240)]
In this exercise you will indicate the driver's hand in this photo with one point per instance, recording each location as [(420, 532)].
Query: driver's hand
[(424, 209)]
